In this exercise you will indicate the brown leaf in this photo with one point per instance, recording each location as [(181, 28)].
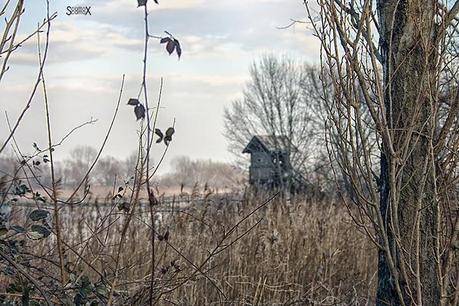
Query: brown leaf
[(170, 47), (133, 101), (160, 135), (139, 111), (165, 40), (168, 138), (170, 131)]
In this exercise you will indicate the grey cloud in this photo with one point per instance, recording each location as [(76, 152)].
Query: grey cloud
[(250, 26)]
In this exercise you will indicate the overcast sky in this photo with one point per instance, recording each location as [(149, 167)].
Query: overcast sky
[(89, 54)]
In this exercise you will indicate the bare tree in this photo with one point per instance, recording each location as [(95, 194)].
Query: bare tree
[(81, 158), (398, 60), (109, 171), (277, 102)]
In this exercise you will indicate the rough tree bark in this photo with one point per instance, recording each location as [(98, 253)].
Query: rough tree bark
[(408, 84), (409, 65)]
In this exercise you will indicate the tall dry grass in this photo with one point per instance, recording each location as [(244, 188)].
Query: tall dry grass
[(299, 252), (304, 253)]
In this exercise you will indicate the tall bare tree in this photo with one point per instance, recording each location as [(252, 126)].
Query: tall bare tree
[(281, 99), (400, 56)]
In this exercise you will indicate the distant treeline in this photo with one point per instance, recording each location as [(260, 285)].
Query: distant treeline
[(109, 170)]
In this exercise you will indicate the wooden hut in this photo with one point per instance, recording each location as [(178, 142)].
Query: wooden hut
[(269, 161)]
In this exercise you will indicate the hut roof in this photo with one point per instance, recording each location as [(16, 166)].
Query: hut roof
[(268, 143)]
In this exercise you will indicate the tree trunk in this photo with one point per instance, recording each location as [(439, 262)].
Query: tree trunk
[(407, 199)]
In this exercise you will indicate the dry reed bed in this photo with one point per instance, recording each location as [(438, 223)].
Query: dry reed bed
[(303, 252)]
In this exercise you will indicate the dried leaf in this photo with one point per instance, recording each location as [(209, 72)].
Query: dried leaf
[(160, 135), (165, 40), (133, 101), (170, 131), (170, 47), (168, 138), (39, 230), (139, 111), (142, 2), (39, 214)]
